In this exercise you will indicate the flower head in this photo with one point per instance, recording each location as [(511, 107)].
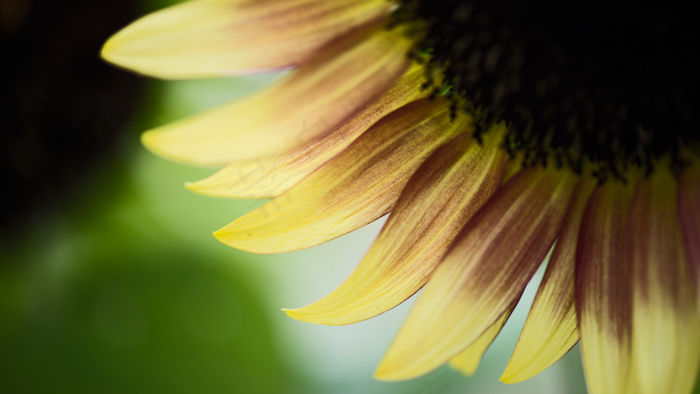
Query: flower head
[(493, 133)]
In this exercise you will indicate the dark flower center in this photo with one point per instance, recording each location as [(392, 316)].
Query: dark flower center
[(576, 82)]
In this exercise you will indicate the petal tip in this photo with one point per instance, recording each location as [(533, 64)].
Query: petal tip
[(197, 187), (236, 239), (466, 370), (386, 374), (520, 369), (107, 51), (302, 314), (223, 236), (311, 314), (510, 377), (158, 142), (116, 52), (293, 313), (392, 369), (111, 51), (150, 140)]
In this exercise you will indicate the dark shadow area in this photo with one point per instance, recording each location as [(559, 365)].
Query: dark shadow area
[(62, 107)]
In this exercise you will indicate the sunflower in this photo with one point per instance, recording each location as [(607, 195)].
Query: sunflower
[(494, 134)]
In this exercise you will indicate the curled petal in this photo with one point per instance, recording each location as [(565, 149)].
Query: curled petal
[(483, 273), (209, 38), (665, 321), (309, 104), (551, 328), (448, 190), (469, 359), (603, 293), (271, 176), (353, 189)]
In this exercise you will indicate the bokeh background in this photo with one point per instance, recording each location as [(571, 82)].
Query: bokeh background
[(110, 280)]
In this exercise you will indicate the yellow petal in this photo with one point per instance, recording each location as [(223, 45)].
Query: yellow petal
[(469, 359), (551, 328), (483, 274), (270, 177), (603, 294), (689, 214), (666, 325), (450, 187), (355, 188), (310, 103), (209, 38)]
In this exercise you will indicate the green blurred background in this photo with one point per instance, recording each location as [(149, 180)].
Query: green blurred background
[(110, 280)]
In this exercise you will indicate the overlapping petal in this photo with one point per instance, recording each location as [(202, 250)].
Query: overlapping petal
[(353, 189), (551, 328), (209, 38), (314, 100), (480, 277), (665, 321), (469, 359), (447, 191), (603, 292), (269, 177), (321, 142)]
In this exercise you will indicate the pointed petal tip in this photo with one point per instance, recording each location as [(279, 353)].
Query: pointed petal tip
[(467, 362), (397, 366), (107, 51), (192, 186), (294, 314), (116, 52), (194, 39), (509, 376), (220, 234), (509, 379), (290, 113), (153, 141), (204, 188), (308, 314), (200, 188), (150, 140), (550, 330), (445, 321), (196, 187), (388, 374), (516, 372), (302, 315), (297, 315), (110, 51), (534, 355), (464, 370), (236, 239)]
